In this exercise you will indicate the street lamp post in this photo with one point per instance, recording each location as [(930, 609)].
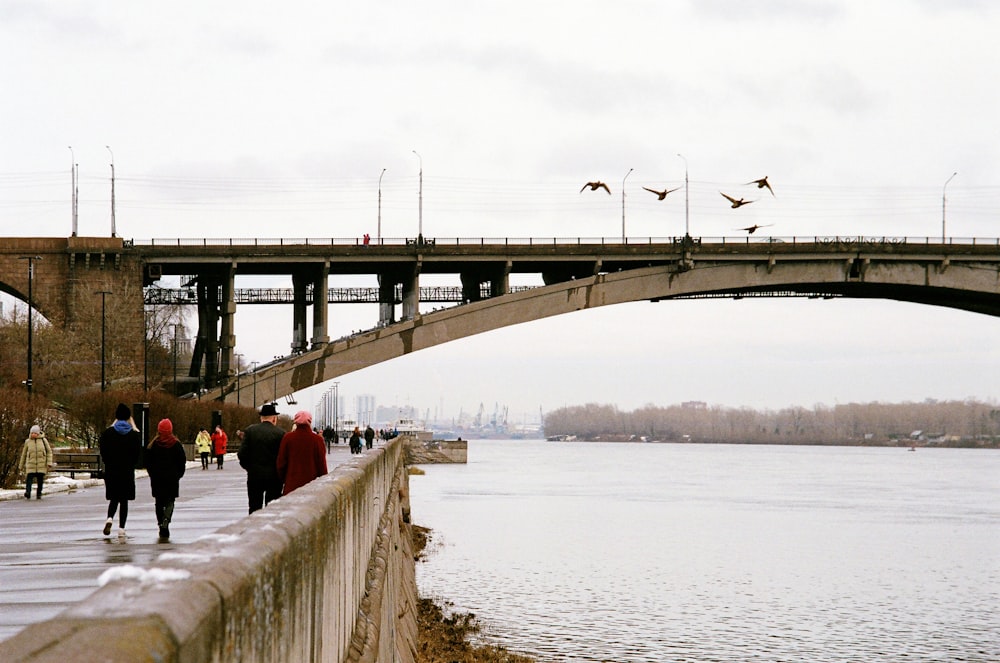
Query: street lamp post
[(113, 231), (238, 355), (623, 202), (253, 367), (378, 231), (420, 202), (943, 199), (103, 294), (31, 273), (175, 358), (687, 228)]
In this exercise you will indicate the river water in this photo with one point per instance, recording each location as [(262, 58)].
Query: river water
[(576, 551)]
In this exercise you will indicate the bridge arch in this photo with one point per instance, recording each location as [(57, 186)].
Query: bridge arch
[(967, 286)]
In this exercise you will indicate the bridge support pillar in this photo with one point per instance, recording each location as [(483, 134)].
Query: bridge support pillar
[(321, 333), (299, 285), (500, 281), (227, 334), (386, 300), (411, 296)]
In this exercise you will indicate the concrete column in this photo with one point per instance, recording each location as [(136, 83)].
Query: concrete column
[(386, 299), (411, 296), (321, 333), (500, 281), (471, 287), (299, 285), (227, 335)]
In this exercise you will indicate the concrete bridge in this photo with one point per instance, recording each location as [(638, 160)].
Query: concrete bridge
[(571, 275)]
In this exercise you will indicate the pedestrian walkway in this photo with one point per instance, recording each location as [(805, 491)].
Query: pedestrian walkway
[(53, 550)]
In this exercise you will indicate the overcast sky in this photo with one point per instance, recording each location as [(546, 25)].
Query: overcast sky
[(263, 119)]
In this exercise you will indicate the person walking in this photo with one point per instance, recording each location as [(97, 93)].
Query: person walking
[(302, 454), (355, 441), (369, 436), (165, 462), (258, 455), (36, 459), (203, 444), (120, 445), (219, 443)]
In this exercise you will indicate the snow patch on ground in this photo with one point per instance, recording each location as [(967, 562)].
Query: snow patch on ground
[(144, 576)]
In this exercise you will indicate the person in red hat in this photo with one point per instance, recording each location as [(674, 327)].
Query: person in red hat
[(302, 455), (165, 462)]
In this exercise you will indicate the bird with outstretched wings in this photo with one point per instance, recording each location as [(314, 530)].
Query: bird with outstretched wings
[(660, 195), (762, 183), (736, 203), (752, 229), (594, 186)]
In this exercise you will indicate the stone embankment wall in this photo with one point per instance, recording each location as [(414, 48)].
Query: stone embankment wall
[(436, 451), (324, 574)]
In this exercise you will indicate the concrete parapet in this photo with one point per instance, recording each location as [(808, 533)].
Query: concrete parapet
[(323, 574)]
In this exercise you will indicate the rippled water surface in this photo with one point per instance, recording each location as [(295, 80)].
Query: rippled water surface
[(662, 552)]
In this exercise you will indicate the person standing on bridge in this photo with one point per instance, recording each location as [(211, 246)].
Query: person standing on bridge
[(120, 444), (165, 462), (36, 459), (258, 455), (369, 436), (302, 454)]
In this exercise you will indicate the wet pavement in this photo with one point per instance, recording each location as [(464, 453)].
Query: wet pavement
[(53, 550)]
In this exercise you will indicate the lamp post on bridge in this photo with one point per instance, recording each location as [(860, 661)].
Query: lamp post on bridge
[(113, 231), (623, 202), (378, 230), (420, 202), (687, 229), (31, 273), (103, 294), (73, 190), (943, 199)]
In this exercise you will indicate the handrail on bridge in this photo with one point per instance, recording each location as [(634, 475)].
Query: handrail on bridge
[(430, 243)]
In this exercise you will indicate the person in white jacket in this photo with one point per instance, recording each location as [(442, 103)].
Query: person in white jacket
[(36, 459)]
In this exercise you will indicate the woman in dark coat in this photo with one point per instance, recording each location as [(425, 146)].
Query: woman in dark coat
[(120, 446), (165, 462)]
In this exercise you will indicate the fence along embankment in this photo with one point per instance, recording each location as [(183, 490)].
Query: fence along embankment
[(324, 574)]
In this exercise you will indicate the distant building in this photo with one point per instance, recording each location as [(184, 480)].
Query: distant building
[(694, 405), (365, 407)]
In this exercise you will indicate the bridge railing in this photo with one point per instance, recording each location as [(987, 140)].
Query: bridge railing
[(565, 241)]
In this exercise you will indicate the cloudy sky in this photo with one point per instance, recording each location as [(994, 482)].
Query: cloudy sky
[(277, 119)]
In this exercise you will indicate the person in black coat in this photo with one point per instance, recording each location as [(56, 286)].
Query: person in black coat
[(120, 446), (369, 436), (165, 462), (258, 455)]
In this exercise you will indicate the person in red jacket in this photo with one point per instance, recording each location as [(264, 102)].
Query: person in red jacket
[(219, 442), (302, 454)]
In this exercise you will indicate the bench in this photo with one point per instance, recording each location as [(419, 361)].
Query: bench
[(71, 462)]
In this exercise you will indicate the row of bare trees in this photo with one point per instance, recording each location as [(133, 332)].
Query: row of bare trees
[(968, 422)]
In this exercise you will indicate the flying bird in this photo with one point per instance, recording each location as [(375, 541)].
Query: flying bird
[(594, 186), (660, 195), (736, 203), (762, 183), (752, 229)]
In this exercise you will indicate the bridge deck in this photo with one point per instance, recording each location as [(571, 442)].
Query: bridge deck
[(52, 550)]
